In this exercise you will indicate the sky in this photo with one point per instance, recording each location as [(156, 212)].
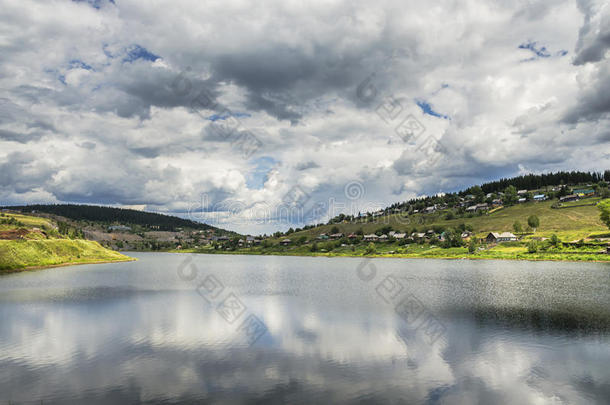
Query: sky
[(235, 113)]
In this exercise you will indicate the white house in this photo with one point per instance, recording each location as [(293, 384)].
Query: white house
[(495, 237)]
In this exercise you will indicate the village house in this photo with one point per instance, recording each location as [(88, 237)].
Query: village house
[(539, 197), (482, 207), (521, 192), (522, 200), (568, 198), (120, 228), (495, 237), (497, 202), (584, 192), (371, 238), (352, 236), (322, 236), (478, 207), (285, 242), (336, 236), (383, 238), (400, 235)]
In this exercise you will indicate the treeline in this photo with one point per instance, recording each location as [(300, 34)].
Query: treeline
[(536, 181), (111, 215), (525, 182)]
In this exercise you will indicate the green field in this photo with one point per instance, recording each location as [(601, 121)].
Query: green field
[(35, 242)]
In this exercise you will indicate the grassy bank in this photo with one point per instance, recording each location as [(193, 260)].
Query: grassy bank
[(508, 251), (23, 254), (32, 242)]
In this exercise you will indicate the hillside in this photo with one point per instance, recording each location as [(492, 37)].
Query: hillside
[(570, 223), (572, 232), (126, 229), (112, 215), (27, 242)]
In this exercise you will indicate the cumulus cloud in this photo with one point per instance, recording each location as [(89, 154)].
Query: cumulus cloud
[(226, 108)]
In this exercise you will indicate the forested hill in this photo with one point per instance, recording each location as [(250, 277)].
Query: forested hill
[(110, 215), (536, 181)]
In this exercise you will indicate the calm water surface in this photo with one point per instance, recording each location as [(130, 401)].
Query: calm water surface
[(182, 329)]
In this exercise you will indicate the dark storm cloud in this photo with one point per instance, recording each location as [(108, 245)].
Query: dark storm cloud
[(594, 35), (31, 128), (307, 165), (22, 171), (279, 80), (594, 101), (596, 51), (19, 137)]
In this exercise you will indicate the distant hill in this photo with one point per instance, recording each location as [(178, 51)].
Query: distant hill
[(110, 215)]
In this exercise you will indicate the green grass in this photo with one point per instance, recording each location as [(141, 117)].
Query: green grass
[(585, 201), (29, 220), (504, 251), (38, 250), (21, 254)]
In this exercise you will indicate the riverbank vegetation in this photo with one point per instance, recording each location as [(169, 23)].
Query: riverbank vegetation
[(31, 242)]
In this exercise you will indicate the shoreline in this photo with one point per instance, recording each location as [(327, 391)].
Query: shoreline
[(400, 256), (50, 266)]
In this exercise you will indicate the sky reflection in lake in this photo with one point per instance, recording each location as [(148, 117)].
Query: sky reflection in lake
[(513, 332)]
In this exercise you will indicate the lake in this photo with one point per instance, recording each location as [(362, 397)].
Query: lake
[(193, 329)]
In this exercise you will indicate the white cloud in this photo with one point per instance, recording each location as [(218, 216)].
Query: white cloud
[(88, 112)]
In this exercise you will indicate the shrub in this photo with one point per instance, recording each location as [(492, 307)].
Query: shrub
[(555, 241), (532, 246), (533, 221)]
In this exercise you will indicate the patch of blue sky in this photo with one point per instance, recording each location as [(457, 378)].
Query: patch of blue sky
[(139, 52), (256, 178), (78, 64), (540, 52), (427, 109), (97, 4)]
